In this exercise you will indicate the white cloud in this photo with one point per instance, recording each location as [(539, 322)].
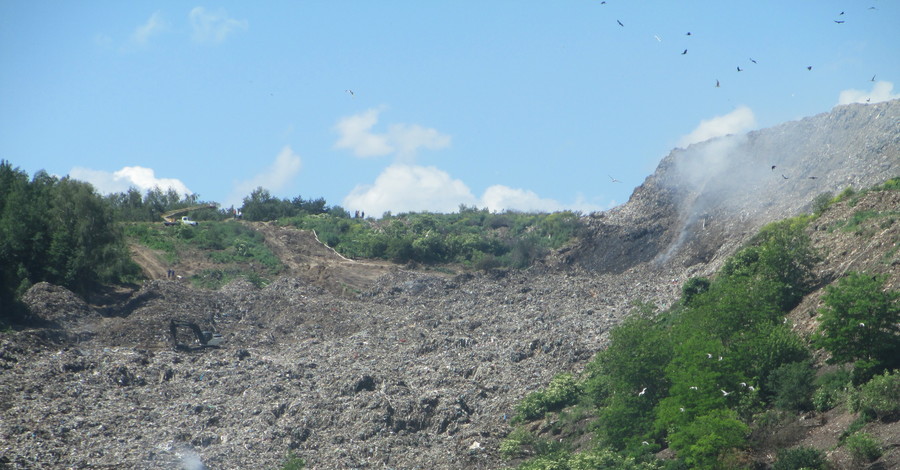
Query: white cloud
[(274, 178), (154, 25), (213, 27), (738, 121), (356, 135), (881, 91), (499, 198), (410, 188), (130, 176), (404, 140)]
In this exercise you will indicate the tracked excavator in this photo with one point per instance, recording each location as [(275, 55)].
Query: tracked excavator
[(169, 217), (205, 339)]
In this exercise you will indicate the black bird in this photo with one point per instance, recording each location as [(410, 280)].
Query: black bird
[(717, 83), (620, 23), (873, 78), (740, 69), (688, 33), (841, 13), (838, 21), (685, 52), (751, 60), (813, 177), (773, 167), (809, 67)]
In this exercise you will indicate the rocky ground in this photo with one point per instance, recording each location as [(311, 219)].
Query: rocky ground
[(350, 364)]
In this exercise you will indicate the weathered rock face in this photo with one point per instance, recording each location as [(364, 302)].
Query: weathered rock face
[(418, 371)]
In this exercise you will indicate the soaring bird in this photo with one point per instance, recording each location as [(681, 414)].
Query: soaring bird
[(717, 83), (873, 78), (724, 393), (694, 388), (642, 392), (841, 13), (620, 23), (740, 69), (688, 33), (751, 60), (350, 92), (838, 21), (809, 67), (773, 167), (613, 179), (708, 356), (785, 177), (685, 52)]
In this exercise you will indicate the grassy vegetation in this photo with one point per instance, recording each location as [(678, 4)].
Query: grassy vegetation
[(239, 251), (475, 238)]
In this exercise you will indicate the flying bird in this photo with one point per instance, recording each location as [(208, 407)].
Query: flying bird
[(785, 177), (681, 409), (751, 60), (685, 52), (350, 92), (717, 83), (657, 38), (873, 78), (838, 21), (862, 324), (812, 177), (613, 179), (694, 388), (620, 23), (809, 67), (740, 69), (841, 13), (688, 33), (724, 393), (743, 384), (642, 392), (708, 356)]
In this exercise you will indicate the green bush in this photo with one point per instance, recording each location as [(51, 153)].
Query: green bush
[(292, 462), (860, 321), (831, 389), (800, 458), (863, 447), (792, 385), (562, 391), (880, 397), (708, 438)]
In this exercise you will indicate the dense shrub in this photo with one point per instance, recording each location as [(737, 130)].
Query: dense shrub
[(563, 390), (799, 458), (831, 388), (861, 321), (792, 386), (863, 447), (879, 398), (703, 442)]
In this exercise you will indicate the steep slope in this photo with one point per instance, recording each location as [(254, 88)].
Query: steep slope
[(704, 201)]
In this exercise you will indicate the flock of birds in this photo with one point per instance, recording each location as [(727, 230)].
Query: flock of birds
[(739, 69)]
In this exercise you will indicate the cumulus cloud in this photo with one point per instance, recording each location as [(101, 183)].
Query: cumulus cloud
[(738, 121), (404, 140), (213, 27), (881, 91), (128, 177), (499, 198), (273, 178), (410, 188)]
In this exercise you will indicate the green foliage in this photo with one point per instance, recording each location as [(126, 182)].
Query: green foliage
[(292, 462), (822, 202), (860, 321), (692, 288), (59, 231), (863, 447), (596, 459), (831, 389), (709, 438), (800, 458), (879, 397), (792, 385), (562, 391)]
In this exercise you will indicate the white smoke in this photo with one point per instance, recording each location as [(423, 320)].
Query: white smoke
[(190, 460)]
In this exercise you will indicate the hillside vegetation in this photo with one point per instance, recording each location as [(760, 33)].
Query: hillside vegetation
[(711, 378)]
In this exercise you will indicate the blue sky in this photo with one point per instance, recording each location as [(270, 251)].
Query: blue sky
[(527, 105)]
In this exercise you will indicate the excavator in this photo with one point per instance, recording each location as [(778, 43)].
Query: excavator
[(169, 217), (205, 339)]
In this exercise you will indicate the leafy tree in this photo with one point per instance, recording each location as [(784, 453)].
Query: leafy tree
[(799, 458), (860, 321), (707, 439), (792, 385)]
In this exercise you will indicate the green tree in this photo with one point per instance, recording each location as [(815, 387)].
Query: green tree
[(707, 439), (860, 321)]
